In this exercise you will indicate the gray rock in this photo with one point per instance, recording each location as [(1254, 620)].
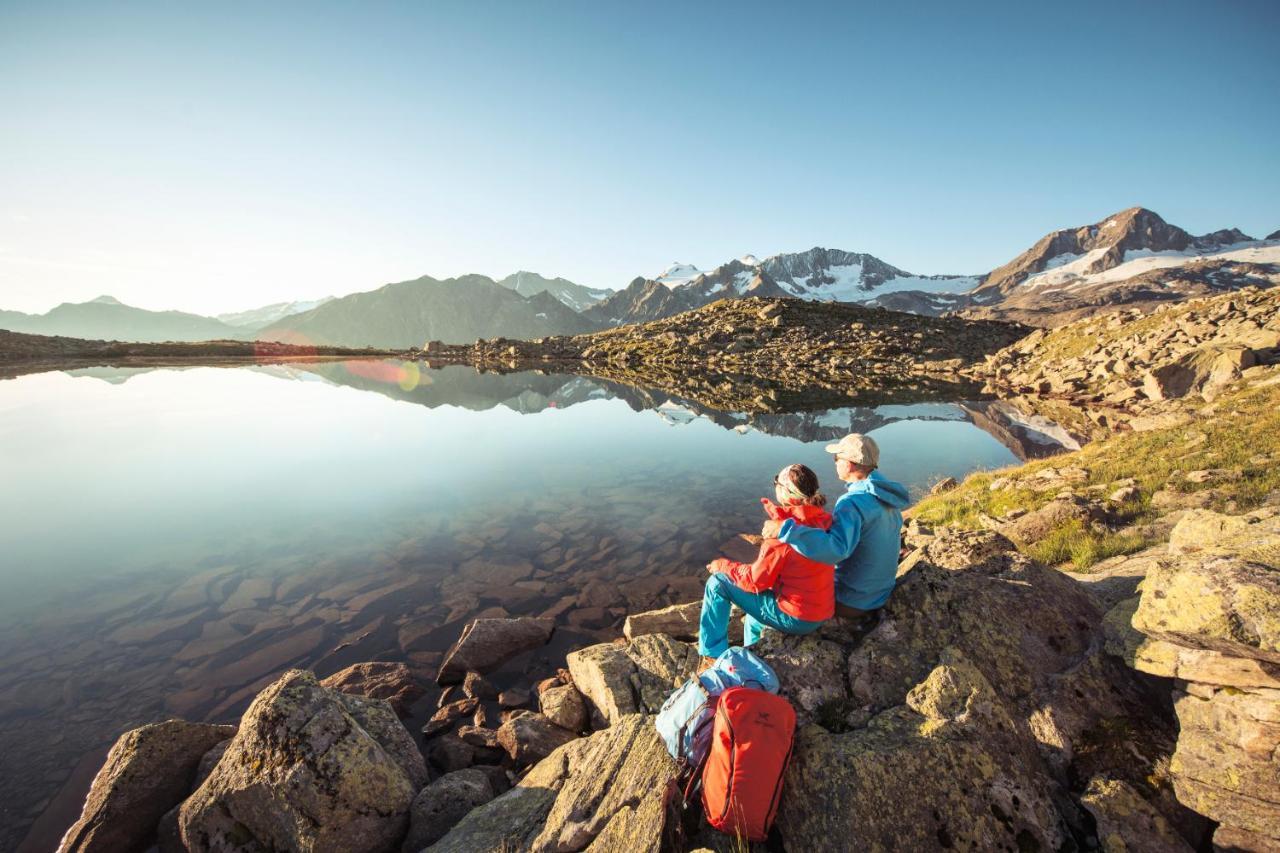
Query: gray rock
[(310, 768), (148, 771)]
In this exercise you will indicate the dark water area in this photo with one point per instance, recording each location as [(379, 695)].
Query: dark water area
[(172, 539)]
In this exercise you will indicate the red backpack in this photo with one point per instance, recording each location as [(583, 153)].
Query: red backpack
[(750, 749)]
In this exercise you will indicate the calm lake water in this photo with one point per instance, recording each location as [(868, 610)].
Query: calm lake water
[(172, 538)]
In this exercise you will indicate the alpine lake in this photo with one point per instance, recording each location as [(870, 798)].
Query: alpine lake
[(171, 539)]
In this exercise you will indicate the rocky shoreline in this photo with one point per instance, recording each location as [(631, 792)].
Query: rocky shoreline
[(998, 703)]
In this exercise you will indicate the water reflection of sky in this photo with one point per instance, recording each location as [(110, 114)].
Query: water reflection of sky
[(173, 465)]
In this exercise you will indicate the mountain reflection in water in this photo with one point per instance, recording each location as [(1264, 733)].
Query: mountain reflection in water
[(174, 538)]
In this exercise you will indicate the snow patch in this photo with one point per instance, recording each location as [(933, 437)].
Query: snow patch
[(1139, 261), (678, 274)]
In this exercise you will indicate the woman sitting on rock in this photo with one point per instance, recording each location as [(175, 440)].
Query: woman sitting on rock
[(781, 589)]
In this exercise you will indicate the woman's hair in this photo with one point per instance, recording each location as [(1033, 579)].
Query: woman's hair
[(805, 482)]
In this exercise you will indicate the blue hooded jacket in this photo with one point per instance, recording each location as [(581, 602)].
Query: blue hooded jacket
[(862, 542)]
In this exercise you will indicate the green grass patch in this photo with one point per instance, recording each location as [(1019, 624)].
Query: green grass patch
[(1240, 433)]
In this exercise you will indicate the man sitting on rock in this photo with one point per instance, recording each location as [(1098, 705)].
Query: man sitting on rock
[(865, 534)]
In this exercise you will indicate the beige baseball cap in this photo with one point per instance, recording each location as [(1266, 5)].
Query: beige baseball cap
[(858, 448)]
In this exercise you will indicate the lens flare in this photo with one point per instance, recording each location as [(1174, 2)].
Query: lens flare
[(409, 375)]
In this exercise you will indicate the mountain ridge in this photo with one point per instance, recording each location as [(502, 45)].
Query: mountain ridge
[(410, 313)]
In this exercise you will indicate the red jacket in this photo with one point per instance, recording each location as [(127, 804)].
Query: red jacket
[(804, 589)]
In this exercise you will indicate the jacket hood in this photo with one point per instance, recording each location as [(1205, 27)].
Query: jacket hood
[(807, 514), (889, 492)]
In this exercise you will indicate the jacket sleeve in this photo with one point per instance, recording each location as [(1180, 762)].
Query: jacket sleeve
[(825, 546), (763, 573)]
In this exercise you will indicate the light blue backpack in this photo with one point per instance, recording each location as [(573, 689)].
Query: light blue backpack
[(684, 721)]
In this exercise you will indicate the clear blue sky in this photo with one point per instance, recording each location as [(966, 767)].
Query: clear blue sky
[(217, 156)]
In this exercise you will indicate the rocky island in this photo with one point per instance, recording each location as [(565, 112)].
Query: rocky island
[(1083, 653)]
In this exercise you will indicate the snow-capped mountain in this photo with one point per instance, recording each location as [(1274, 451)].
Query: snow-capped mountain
[(576, 296), (1131, 258), (828, 275)]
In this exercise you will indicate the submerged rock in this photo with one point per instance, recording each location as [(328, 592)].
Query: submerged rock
[(310, 768), (148, 771), (393, 682), (486, 644)]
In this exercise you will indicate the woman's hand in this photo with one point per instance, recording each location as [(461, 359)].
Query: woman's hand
[(771, 509), (771, 529), (719, 564)]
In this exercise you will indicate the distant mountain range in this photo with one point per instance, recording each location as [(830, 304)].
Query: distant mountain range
[(105, 318), (410, 313), (828, 275), (1131, 258)]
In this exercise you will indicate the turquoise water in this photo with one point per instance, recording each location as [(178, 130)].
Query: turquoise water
[(171, 538)]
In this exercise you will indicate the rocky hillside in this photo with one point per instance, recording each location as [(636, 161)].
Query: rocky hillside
[(823, 275), (1125, 368), (788, 341), (405, 314)]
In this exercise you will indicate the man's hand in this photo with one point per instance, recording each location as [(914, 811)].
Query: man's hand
[(719, 564), (771, 529)]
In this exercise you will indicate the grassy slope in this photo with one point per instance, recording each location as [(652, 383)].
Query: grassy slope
[(1240, 431)]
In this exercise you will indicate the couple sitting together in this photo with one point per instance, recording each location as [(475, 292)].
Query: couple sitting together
[(813, 564)]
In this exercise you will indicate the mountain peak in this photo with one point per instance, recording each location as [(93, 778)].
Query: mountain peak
[(104, 300)]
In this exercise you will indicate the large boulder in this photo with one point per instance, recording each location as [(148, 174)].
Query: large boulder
[(1227, 764), (1223, 603), (486, 644), (148, 771), (394, 682), (600, 793), (945, 769), (1210, 613), (1036, 637), (631, 678), (440, 805), (811, 670), (309, 769)]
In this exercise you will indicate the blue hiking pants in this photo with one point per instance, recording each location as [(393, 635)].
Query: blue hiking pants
[(761, 608)]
